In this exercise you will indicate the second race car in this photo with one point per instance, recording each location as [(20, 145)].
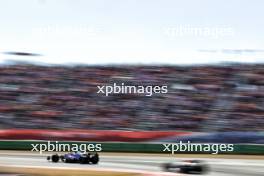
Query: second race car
[(187, 167)]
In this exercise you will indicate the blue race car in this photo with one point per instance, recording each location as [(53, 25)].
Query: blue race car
[(75, 157)]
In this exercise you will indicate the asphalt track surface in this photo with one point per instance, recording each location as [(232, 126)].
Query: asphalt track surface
[(146, 164)]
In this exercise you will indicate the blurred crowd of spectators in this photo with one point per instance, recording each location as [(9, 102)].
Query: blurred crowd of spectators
[(199, 98)]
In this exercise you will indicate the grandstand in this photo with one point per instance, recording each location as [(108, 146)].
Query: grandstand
[(200, 98)]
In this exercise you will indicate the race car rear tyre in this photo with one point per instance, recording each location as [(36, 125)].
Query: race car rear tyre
[(55, 158)]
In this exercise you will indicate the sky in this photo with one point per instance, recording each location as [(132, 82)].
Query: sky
[(133, 31)]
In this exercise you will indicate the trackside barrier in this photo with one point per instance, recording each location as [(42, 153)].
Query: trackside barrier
[(128, 147)]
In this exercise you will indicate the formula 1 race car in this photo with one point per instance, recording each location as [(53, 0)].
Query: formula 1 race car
[(186, 167), (75, 157)]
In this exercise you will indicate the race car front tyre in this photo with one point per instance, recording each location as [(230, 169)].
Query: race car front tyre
[(94, 159), (55, 158)]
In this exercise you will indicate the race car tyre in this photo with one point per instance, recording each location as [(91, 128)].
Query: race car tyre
[(55, 158), (94, 159)]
